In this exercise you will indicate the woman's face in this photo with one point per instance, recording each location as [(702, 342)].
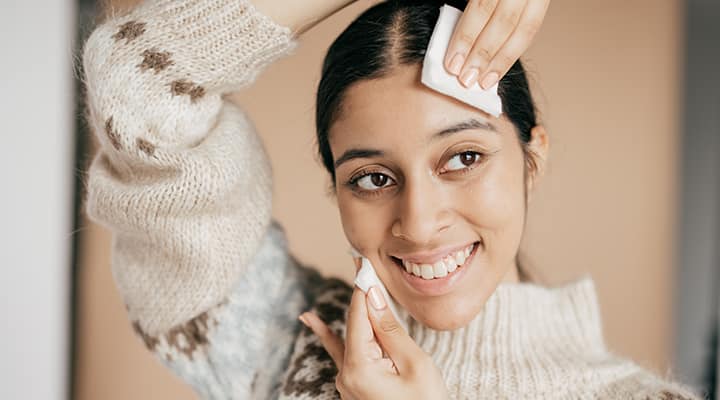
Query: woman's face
[(428, 184)]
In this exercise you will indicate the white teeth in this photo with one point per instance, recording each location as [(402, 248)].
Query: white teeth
[(460, 257), (427, 271), (441, 268)]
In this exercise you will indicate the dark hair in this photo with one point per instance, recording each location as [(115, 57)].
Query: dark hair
[(395, 33)]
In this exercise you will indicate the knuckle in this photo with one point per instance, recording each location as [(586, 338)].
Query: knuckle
[(465, 38), (350, 379), (343, 380), (339, 383), (504, 61), (486, 7), (482, 55), (413, 371), (509, 18), (389, 326)]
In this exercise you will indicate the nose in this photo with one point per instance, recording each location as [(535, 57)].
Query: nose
[(422, 212)]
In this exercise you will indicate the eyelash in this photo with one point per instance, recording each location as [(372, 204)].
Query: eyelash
[(478, 159), (352, 183)]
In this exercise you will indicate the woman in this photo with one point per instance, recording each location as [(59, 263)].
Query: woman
[(432, 191)]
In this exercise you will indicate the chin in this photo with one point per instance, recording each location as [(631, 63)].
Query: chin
[(446, 317)]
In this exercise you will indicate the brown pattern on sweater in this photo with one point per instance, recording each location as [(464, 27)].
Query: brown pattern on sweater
[(668, 395), (343, 296), (151, 342), (155, 60), (145, 146), (314, 354), (129, 31), (312, 371), (112, 134), (329, 312), (182, 86), (185, 338), (190, 336)]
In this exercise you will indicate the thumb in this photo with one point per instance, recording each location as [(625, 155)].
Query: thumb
[(389, 333)]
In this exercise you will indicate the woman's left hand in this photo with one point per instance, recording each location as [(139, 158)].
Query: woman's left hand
[(490, 36), (363, 372)]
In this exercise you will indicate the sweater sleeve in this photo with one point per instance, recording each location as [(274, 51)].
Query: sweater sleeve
[(184, 184)]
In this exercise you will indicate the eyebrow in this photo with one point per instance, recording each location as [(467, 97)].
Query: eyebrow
[(358, 153), (472, 123)]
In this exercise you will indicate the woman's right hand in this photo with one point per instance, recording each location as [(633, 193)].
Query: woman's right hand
[(363, 372), (490, 36)]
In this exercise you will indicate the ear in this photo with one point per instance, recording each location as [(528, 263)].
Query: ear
[(538, 148)]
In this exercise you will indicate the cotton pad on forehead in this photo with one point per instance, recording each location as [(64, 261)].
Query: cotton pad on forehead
[(436, 77)]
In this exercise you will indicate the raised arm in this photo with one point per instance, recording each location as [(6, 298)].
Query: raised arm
[(183, 182)]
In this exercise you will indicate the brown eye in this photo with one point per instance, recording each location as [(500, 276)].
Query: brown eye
[(373, 181), (378, 179), (467, 158), (463, 160)]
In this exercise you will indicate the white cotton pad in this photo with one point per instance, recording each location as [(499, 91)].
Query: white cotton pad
[(436, 77), (367, 277)]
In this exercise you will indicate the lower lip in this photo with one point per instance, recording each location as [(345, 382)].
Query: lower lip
[(438, 286)]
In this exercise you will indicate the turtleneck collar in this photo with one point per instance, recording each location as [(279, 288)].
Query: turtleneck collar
[(527, 339)]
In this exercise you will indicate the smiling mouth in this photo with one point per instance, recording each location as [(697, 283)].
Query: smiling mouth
[(441, 268)]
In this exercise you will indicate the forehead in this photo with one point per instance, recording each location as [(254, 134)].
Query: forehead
[(398, 106)]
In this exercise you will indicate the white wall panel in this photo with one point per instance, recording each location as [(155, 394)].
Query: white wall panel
[(36, 146)]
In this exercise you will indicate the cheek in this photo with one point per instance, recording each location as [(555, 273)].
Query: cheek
[(363, 224), (495, 199)]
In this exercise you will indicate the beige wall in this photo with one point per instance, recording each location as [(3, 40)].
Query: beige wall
[(606, 77)]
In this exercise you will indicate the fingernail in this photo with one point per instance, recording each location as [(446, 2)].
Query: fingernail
[(489, 80), (456, 63), (469, 76), (304, 320), (376, 298)]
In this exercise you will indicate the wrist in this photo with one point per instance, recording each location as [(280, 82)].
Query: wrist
[(300, 16)]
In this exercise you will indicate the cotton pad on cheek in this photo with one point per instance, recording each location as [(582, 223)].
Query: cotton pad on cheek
[(436, 77), (367, 277)]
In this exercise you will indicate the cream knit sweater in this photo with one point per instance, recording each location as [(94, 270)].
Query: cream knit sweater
[(184, 184)]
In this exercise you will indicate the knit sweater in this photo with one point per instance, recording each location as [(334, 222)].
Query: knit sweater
[(183, 182)]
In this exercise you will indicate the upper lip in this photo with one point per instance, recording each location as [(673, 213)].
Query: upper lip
[(430, 256)]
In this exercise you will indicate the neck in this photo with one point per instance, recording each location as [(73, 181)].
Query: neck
[(513, 275)]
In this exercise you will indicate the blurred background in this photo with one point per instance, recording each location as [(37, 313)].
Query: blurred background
[(628, 90)]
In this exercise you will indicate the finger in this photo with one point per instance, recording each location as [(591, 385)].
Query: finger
[(330, 341), (392, 337), (496, 32), (518, 42), (359, 346), (477, 13)]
